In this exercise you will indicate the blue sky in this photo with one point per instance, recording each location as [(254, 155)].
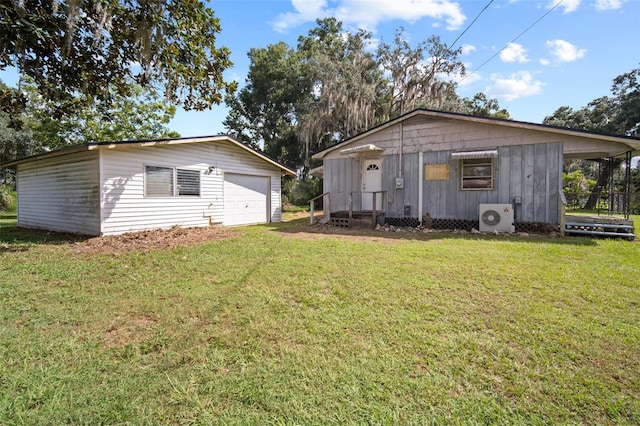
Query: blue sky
[(569, 57)]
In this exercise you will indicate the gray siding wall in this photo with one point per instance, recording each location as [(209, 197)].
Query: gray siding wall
[(125, 208), (531, 171), (342, 176), (60, 194)]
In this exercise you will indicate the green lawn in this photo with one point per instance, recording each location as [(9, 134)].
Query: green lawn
[(276, 325)]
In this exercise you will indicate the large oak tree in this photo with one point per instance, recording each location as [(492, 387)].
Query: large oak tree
[(93, 49)]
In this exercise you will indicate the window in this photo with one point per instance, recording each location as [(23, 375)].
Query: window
[(188, 182), (170, 182), (477, 174), (158, 181)]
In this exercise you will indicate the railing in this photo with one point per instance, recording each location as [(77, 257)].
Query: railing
[(374, 210), (327, 208), (607, 203)]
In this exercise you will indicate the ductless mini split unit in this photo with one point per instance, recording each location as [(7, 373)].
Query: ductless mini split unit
[(496, 217)]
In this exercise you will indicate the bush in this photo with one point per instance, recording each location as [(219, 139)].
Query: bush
[(7, 197), (299, 192)]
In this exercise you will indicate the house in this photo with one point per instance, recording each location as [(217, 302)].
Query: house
[(116, 187), (451, 169)]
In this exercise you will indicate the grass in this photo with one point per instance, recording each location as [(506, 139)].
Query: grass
[(278, 326)]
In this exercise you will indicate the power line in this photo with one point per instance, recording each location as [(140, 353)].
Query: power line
[(513, 41), (472, 22)]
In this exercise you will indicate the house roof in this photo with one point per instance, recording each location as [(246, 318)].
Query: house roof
[(144, 143), (632, 142)]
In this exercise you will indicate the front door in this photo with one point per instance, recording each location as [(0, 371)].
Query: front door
[(371, 182)]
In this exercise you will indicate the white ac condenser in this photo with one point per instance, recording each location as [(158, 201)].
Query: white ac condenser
[(496, 217)]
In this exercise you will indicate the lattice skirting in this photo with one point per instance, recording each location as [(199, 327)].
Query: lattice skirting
[(468, 225)]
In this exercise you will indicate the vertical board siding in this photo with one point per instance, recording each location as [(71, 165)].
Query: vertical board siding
[(125, 208), (60, 194), (532, 172), (342, 176)]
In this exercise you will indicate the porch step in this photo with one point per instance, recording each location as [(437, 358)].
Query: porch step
[(604, 228)]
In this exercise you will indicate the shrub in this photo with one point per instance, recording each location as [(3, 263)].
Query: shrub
[(7, 197), (299, 191)]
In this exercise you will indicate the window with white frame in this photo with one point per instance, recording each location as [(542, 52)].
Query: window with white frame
[(171, 182), (477, 174)]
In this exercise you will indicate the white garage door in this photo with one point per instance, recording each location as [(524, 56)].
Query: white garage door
[(246, 199)]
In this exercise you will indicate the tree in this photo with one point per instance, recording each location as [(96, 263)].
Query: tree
[(141, 116), (626, 89), (481, 106), (346, 85), (264, 111), (575, 186), (619, 114), (14, 143), (96, 48), (332, 86), (415, 74)]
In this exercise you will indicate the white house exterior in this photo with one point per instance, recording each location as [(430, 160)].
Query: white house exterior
[(112, 188)]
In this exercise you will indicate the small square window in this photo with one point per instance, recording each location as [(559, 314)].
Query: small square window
[(188, 182), (477, 174)]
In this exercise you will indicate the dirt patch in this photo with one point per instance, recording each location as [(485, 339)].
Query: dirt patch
[(157, 239)]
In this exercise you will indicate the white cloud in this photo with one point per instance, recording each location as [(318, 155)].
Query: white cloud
[(568, 5), (306, 11), (468, 48), (518, 85), (564, 51), (367, 15), (467, 80), (514, 52), (608, 4)]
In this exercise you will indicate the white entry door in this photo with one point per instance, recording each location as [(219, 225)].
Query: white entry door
[(246, 199), (371, 182)]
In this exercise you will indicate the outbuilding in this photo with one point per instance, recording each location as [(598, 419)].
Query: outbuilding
[(110, 188)]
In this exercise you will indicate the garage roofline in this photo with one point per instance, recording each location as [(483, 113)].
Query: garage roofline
[(90, 146)]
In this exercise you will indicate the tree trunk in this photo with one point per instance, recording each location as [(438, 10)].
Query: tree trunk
[(603, 182)]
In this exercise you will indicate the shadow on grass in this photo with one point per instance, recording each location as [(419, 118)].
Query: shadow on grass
[(14, 239), (302, 226)]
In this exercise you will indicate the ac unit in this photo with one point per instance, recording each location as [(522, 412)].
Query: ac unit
[(496, 217)]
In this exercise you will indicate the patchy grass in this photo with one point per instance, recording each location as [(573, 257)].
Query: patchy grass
[(276, 325)]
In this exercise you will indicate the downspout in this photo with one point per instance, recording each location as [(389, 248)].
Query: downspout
[(420, 183), (401, 149), (101, 196)]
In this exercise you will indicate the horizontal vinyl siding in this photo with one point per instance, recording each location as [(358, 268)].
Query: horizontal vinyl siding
[(60, 194), (124, 207), (276, 198)]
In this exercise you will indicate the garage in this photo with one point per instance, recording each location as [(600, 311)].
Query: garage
[(246, 199)]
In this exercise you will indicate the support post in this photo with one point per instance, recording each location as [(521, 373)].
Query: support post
[(373, 214)]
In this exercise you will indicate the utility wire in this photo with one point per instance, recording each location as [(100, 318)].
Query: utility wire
[(472, 22), (512, 41)]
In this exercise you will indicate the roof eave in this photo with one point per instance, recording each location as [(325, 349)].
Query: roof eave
[(632, 142), (114, 145)]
